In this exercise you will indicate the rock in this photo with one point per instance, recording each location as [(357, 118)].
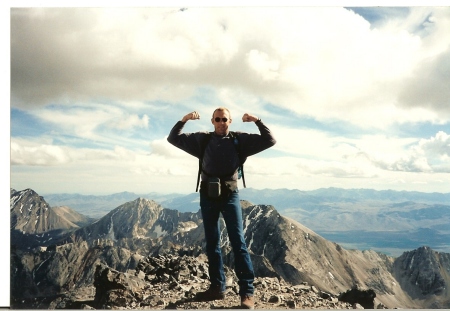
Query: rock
[(115, 289), (275, 299), (171, 282), (356, 296), (381, 306), (86, 307), (325, 295), (291, 304)]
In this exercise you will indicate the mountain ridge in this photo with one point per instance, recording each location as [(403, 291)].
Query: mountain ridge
[(279, 246), (385, 220)]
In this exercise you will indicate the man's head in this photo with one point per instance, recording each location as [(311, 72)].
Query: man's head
[(221, 119)]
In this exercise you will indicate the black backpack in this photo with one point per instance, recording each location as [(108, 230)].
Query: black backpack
[(205, 142)]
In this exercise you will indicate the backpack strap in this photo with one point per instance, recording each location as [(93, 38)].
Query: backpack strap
[(204, 143), (235, 136)]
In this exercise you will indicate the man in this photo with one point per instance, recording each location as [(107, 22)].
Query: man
[(222, 156)]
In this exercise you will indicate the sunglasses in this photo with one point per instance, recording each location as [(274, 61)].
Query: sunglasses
[(217, 119)]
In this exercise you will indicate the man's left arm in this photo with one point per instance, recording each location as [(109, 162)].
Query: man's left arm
[(255, 143)]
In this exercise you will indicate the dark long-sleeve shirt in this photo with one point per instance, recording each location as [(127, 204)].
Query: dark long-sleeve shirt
[(220, 158)]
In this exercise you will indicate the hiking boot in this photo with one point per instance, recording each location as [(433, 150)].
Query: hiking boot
[(212, 293), (247, 302)]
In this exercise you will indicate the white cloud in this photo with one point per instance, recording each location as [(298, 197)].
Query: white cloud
[(78, 120), (115, 78), (437, 146), (161, 147), (342, 69), (429, 85), (315, 144), (64, 169), (124, 154), (130, 121), (425, 155), (357, 172), (411, 163), (320, 153), (97, 171), (28, 152), (38, 154), (261, 63), (93, 122)]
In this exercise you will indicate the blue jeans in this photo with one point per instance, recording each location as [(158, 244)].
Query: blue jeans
[(231, 210)]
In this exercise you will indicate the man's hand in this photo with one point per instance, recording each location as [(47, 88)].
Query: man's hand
[(249, 118), (191, 116)]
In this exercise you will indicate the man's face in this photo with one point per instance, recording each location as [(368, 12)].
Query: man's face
[(221, 127)]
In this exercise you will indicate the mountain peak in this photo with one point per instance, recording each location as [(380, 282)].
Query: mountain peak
[(33, 221), (420, 271)]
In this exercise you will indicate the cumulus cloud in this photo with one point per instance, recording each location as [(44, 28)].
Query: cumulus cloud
[(437, 146), (361, 156), (427, 85), (88, 121), (425, 155), (430, 85), (344, 65), (412, 163), (334, 147), (38, 155), (29, 153), (97, 89), (161, 147)]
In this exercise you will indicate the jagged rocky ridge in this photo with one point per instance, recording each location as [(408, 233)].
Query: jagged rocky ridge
[(280, 248), (170, 282), (424, 274), (34, 222)]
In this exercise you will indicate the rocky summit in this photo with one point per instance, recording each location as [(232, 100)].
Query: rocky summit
[(171, 282), (141, 255)]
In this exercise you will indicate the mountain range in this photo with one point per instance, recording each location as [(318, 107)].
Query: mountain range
[(62, 251), (387, 221)]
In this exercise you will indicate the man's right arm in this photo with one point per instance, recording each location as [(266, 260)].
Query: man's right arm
[(175, 133), (191, 116), (188, 142)]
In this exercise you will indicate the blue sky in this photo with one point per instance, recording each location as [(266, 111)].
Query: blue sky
[(356, 97)]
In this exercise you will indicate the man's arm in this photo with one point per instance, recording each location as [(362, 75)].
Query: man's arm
[(191, 116), (254, 143), (188, 142)]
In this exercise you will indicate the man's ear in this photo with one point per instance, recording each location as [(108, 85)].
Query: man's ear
[(231, 120), (212, 121)]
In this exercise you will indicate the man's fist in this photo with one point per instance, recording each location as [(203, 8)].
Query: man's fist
[(249, 118), (191, 116)]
